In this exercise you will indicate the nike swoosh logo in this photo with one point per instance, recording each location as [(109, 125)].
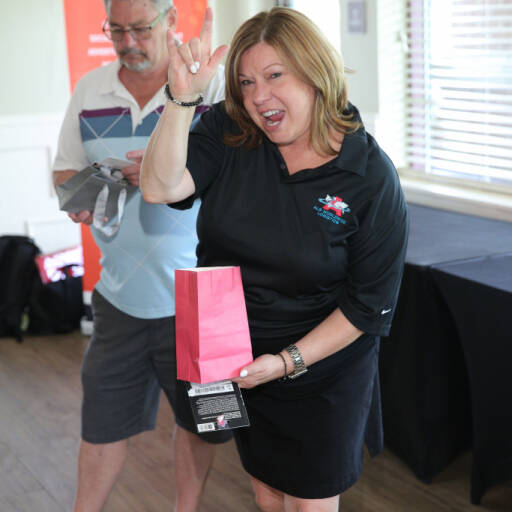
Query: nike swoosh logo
[(384, 311)]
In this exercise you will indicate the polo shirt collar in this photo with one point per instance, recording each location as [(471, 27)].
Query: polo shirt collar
[(112, 84), (353, 156)]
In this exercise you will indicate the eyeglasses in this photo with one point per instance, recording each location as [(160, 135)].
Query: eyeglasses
[(138, 33)]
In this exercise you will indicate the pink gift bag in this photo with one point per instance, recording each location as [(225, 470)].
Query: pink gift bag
[(212, 332)]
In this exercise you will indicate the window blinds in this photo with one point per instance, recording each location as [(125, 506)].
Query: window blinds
[(459, 83)]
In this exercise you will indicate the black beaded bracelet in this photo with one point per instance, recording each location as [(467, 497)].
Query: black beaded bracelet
[(170, 97), (285, 376)]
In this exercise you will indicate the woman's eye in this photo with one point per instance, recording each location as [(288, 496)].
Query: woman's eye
[(245, 82), (277, 74)]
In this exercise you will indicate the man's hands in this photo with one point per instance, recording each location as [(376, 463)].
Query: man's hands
[(84, 216), (192, 65), (132, 172), (60, 177)]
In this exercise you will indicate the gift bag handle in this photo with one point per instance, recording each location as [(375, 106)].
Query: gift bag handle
[(101, 206)]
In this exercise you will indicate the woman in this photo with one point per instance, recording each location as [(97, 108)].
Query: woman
[(298, 194)]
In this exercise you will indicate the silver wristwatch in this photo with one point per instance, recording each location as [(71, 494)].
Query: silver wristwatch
[(299, 368)]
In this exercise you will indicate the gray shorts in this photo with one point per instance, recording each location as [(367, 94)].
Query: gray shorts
[(126, 364)]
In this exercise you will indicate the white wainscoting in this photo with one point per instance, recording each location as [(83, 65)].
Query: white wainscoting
[(28, 201)]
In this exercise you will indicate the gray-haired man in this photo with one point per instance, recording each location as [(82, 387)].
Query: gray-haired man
[(131, 356)]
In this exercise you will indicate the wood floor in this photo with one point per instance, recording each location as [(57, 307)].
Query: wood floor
[(39, 433)]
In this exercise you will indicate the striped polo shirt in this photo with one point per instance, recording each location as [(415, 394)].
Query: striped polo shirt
[(138, 261)]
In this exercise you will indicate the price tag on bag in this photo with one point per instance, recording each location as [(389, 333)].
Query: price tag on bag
[(217, 406)]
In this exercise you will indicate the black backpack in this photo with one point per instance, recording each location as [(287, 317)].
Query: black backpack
[(26, 303), (56, 307), (18, 273)]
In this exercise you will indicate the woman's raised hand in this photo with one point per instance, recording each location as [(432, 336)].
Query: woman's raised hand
[(191, 64)]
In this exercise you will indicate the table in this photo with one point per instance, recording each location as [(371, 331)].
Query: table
[(478, 293), (425, 385)]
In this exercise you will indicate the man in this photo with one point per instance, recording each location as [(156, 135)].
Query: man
[(131, 354)]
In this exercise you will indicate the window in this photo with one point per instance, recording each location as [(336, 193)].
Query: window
[(459, 89)]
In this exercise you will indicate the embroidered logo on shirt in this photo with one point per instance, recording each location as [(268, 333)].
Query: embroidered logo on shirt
[(334, 208)]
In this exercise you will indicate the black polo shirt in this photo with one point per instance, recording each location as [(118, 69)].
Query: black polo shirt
[(333, 236)]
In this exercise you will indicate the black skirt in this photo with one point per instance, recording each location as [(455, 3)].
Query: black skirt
[(306, 435)]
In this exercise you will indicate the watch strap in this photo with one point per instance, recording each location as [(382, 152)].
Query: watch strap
[(299, 367)]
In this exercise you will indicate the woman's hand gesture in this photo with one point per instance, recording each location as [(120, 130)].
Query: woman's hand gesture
[(191, 64)]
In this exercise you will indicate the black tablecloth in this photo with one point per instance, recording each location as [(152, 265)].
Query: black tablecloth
[(479, 295), (439, 236), (426, 405)]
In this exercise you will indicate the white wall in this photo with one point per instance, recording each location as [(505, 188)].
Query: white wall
[(360, 54), (34, 60), (34, 95), (29, 204), (228, 15)]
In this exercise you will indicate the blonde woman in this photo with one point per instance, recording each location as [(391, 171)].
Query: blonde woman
[(296, 192)]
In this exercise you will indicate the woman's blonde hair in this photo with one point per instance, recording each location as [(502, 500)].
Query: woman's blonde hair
[(310, 56)]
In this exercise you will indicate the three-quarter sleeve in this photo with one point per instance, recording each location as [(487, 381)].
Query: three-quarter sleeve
[(376, 250)]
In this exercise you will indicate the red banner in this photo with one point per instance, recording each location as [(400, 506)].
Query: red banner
[(190, 18), (88, 48)]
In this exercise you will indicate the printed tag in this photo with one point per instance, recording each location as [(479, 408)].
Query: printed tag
[(217, 406)]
